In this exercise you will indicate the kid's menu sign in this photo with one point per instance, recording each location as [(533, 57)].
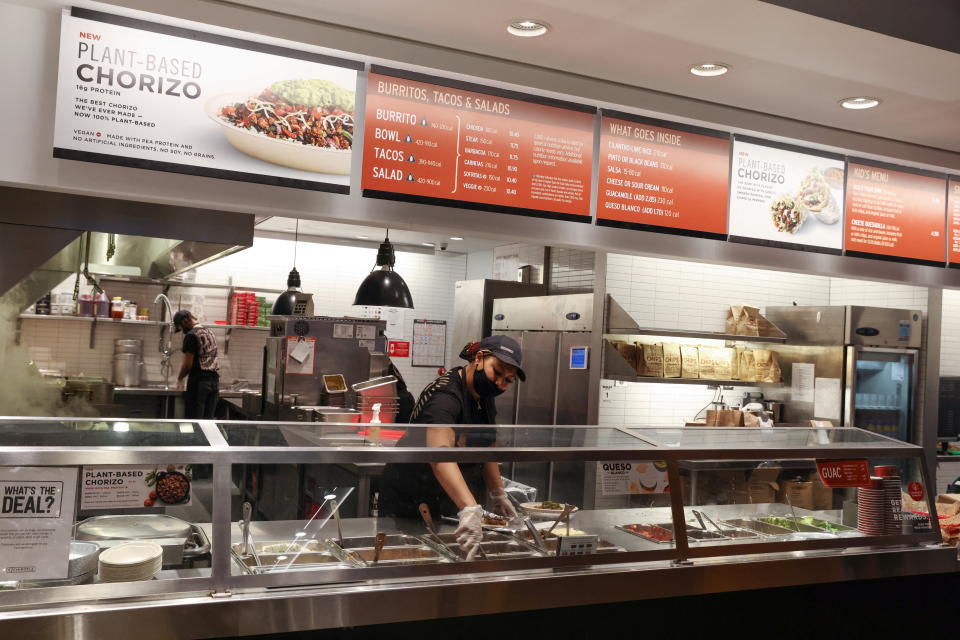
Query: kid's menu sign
[(953, 218), (476, 147), (895, 213), (662, 176)]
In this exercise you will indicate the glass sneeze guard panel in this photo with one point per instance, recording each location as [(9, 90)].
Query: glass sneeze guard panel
[(759, 438), (73, 432)]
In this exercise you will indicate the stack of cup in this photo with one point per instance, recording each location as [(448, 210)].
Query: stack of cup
[(891, 488), (872, 508)]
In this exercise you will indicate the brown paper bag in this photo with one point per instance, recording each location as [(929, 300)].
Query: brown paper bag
[(768, 366), (671, 360), (627, 351), (652, 361), (724, 418), (747, 321), (723, 367), (689, 361), (708, 363), (748, 365)]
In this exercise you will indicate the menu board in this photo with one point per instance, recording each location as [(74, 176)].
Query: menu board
[(662, 176), (152, 96), (786, 196), (953, 219), (895, 213), (444, 142)]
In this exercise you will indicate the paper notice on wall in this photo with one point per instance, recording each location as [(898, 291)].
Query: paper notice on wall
[(300, 355), (827, 393), (802, 382), (36, 520), (133, 487), (429, 343), (632, 478), (395, 323)]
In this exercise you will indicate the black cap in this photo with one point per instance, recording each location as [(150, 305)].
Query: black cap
[(179, 317), (506, 349)]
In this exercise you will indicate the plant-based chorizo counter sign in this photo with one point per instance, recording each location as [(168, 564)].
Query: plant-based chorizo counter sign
[(476, 147), (152, 96), (786, 196), (895, 213), (663, 177)]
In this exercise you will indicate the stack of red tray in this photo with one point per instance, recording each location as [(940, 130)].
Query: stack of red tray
[(872, 508), (243, 308)]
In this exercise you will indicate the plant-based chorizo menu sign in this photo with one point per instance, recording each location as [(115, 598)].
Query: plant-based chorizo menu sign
[(662, 176), (786, 196), (895, 213), (953, 218), (476, 147), (36, 520), (152, 96)]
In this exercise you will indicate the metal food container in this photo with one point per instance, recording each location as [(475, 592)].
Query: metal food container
[(169, 532), (497, 546), (397, 550), (790, 524), (764, 528), (551, 542), (278, 556)]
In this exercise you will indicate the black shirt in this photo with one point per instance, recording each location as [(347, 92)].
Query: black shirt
[(201, 342), (446, 400)]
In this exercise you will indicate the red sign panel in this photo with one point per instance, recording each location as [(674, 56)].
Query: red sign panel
[(953, 218), (398, 348), (474, 149), (895, 213), (653, 175), (915, 489), (844, 473)]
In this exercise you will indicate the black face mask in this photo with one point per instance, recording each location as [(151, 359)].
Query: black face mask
[(484, 386)]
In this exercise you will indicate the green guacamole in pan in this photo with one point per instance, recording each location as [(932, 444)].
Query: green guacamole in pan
[(314, 93)]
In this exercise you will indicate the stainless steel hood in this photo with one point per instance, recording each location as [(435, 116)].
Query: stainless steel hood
[(44, 237)]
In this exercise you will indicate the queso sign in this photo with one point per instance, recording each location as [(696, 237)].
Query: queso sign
[(633, 478)]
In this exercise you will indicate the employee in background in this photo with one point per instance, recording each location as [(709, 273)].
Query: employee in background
[(201, 367), (463, 396)]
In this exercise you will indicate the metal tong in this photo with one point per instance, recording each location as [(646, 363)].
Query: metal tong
[(708, 519), (378, 546), (336, 516), (247, 549), (565, 514), (428, 521)]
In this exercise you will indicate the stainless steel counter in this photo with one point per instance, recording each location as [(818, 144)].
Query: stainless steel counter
[(159, 390)]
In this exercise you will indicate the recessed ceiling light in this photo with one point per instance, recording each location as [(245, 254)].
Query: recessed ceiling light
[(527, 28), (427, 244), (859, 103), (708, 69), (362, 237), (456, 238)]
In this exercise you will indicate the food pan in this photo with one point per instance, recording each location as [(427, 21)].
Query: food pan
[(790, 524), (651, 532), (822, 525), (497, 546), (551, 542), (764, 528), (396, 555)]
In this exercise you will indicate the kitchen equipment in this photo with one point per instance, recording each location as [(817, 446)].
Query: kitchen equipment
[(96, 391), (128, 527), (127, 369), (378, 546), (245, 527), (866, 366), (127, 345), (381, 390), (81, 569), (336, 516)]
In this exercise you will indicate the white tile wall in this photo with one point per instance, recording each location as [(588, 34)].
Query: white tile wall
[(672, 294), (332, 273), (950, 334)]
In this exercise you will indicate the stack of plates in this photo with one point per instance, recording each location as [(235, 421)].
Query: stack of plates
[(130, 562), (872, 508), (891, 484)]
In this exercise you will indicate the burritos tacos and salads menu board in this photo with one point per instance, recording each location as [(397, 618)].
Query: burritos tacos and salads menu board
[(953, 218), (661, 176), (444, 142), (152, 96), (786, 196), (895, 213)]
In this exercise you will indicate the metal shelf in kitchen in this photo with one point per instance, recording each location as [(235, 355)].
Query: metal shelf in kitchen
[(178, 283), (31, 316), (701, 381), (697, 335)]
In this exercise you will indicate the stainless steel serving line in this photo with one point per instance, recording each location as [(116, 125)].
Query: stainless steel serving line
[(303, 579)]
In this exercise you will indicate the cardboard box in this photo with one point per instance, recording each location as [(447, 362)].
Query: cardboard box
[(762, 485), (798, 493), (822, 496)]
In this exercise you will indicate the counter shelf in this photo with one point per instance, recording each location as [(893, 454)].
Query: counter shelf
[(574, 456)]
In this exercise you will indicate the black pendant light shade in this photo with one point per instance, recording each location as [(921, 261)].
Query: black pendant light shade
[(383, 287), (285, 301)]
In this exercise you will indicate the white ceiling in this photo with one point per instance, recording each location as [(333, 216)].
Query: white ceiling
[(783, 62), (351, 234)]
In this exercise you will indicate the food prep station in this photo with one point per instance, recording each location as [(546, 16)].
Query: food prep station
[(329, 568)]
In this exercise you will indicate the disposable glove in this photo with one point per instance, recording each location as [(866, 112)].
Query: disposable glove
[(469, 532), (500, 503)]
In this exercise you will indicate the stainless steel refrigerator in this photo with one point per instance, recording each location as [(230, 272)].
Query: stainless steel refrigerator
[(865, 366)]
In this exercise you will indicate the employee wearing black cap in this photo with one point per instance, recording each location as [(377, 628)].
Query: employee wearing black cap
[(201, 362), (463, 395)]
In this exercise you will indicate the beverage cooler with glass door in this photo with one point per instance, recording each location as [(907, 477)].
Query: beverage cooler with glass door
[(865, 361)]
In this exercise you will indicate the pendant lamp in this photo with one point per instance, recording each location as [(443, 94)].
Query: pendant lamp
[(286, 301), (383, 287)]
